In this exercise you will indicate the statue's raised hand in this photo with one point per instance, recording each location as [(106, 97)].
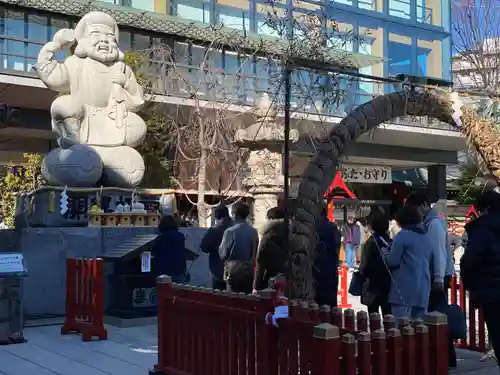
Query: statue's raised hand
[(64, 38)]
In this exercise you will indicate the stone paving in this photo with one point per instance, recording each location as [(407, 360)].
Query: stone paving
[(129, 351)]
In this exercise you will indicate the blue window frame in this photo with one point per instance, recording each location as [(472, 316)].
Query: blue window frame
[(233, 17), (194, 10)]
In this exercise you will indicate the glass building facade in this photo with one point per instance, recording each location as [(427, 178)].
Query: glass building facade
[(412, 35)]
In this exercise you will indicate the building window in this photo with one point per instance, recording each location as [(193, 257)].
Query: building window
[(431, 58), (37, 31), (269, 20), (194, 10), (125, 40), (346, 2), (368, 5), (148, 5), (400, 54), (233, 14), (23, 34), (57, 24), (13, 49), (366, 88), (233, 17), (400, 8)]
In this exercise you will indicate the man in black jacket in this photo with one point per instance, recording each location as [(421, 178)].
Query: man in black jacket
[(325, 271), (210, 245), (480, 263)]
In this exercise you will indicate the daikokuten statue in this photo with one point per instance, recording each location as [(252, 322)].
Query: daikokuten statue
[(94, 117)]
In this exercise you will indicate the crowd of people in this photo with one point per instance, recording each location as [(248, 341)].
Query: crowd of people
[(406, 264)]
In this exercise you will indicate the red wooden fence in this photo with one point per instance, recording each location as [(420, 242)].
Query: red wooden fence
[(201, 331), (85, 299), (476, 336)]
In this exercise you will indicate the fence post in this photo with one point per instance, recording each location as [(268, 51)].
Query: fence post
[(326, 354), (267, 343), (394, 351), (348, 354), (364, 354), (70, 318), (163, 292), (408, 350), (98, 301), (422, 348), (379, 358), (438, 342), (362, 319)]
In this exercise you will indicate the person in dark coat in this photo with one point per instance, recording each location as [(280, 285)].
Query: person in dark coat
[(210, 245), (169, 250), (373, 267), (480, 263), (271, 254), (325, 269)]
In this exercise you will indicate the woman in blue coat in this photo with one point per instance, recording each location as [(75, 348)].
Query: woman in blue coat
[(409, 261), (168, 250)]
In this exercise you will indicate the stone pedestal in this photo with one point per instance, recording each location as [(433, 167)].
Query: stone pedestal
[(265, 181), (264, 175)]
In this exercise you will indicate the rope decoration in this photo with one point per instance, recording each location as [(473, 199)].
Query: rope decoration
[(457, 108)]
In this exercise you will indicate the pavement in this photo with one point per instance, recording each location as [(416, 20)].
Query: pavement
[(128, 351)]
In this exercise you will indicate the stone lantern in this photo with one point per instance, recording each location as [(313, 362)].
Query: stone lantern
[(264, 173)]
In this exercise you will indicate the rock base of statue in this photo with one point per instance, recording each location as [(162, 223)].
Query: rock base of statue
[(83, 165)]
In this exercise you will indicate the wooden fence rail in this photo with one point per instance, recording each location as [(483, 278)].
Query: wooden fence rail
[(476, 335), (85, 299), (201, 331)]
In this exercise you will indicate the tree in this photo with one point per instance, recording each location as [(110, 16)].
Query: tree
[(476, 65), (469, 181), (18, 179), (195, 140), (476, 41)]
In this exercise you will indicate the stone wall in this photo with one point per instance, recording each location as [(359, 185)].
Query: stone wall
[(46, 249)]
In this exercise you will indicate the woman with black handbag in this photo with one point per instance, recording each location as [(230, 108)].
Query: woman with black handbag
[(376, 274)]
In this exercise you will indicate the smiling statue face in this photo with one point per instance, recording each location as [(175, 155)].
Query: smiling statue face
[(102, 45)]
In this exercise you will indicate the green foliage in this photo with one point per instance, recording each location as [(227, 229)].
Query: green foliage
[(154, 149), (468, 189), (18, 179)]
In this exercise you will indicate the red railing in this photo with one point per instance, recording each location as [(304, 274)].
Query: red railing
[(476, 335), (201, 331), (85, 299)]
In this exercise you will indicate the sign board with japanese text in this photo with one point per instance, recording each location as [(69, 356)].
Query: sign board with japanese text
[(365, 174), (12, 263), (144, 297)]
